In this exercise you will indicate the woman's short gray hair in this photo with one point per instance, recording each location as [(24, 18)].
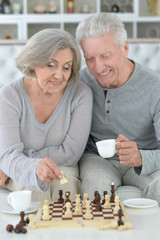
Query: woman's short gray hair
[(101, 23), (41, 48)]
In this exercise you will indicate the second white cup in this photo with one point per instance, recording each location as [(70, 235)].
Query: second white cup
[(20, 200), (106, 148)]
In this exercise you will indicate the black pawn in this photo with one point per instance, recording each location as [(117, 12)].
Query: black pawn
[(120, 214)]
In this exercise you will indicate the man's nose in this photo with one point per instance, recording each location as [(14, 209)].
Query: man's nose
[(99, 66)]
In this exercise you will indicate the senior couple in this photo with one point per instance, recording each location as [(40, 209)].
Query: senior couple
[(50, 120)]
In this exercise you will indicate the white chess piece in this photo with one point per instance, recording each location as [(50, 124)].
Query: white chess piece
[(85, 198), (46, 211), (78, 209), (107, 201), (116, 205), (68, 213), (88, 214)]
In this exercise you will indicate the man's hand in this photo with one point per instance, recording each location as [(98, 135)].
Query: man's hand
[(47, 170), (128, 153), (4, 179)]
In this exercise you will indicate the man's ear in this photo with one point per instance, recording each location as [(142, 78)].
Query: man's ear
[(126, 49)]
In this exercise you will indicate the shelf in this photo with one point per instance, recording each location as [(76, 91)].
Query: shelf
[(27, 23)]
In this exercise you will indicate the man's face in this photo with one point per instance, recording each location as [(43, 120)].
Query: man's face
[(105, 60)]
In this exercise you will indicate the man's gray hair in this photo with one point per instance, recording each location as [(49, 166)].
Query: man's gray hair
[(99, 24), (41, 48)]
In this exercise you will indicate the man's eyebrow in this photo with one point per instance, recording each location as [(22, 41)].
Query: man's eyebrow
[(102, 53)]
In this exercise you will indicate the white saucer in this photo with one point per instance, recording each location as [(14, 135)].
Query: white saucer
[(140, 203), (9, 209)]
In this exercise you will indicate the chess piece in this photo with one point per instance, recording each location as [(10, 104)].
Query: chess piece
[(10, 228), (112, 193), (98, 207), (78, 209), (116, 209), (60, 199), (88, 214), (104, 193), (78, 197), (95, 193), (19, 228), (46, 211), (107, 202), (31, 223), (64, 179), (22, 221), (46, 202), (67, 194), (68, 213), (97, 198), (120, 214), (85, 198), (111, 225)]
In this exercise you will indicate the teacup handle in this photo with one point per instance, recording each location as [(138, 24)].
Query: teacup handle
[(116, 144), (9, 200)]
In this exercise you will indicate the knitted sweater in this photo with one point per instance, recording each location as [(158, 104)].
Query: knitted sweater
[(24, 141)]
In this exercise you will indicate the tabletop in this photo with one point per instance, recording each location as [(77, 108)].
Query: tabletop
[(146, 226)]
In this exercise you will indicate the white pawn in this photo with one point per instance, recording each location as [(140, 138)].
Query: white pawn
[(85, 198), (46, 202), (46, 211), (68, 213), (107, 201), (116, 205), (78, 209), (88, 214), (78, 197)]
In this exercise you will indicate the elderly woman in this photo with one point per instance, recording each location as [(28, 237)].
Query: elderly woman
[(45, 118)]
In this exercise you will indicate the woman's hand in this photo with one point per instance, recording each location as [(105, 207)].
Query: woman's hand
[(4, 179), (47, 170)]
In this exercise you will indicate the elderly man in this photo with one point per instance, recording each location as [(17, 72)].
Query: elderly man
[(126, 108)]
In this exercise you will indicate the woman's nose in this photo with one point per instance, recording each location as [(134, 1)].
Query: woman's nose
[(57, 74)]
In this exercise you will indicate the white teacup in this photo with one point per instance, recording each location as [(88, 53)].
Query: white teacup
[(107, 148), (20, 200)]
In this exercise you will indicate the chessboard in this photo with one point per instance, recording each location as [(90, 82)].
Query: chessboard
[(105, 218)]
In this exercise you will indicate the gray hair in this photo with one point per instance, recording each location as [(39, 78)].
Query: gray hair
[(41, 48), (101, 23)]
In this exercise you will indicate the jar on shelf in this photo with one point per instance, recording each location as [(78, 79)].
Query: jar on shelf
[(6, 7), (16, 8), (154, 7), (40, 8), (52, 7), (70, 6), (115, 8)]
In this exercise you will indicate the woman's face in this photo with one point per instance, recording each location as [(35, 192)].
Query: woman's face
[(53, 77)]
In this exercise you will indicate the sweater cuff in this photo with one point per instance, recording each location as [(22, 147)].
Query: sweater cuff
[(138, 170), (42, 185)]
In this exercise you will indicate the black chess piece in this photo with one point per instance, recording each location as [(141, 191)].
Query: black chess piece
[(60, 199), (22, 221), (112, 193), (95, 200), (67, 194), (120, 214)]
